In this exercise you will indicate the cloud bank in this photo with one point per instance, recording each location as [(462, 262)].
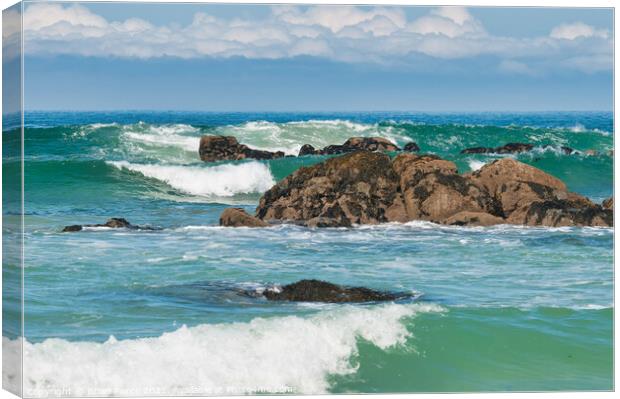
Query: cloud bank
[(340, 33)]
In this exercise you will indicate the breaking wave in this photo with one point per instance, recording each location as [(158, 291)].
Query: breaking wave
[(290, 354)]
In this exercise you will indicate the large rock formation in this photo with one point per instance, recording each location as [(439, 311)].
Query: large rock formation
[(227, 148), (321, 291), (368, 188), (351, 145)]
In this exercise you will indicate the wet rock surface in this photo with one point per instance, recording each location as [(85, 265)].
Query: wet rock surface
[(113, 223), (237, 217), (322, 291), (227, 148)]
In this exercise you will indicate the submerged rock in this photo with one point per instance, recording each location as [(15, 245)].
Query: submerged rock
[(510, 148), (351, 145), (227, 148), (237, 217), (113, 223), (321, 291), (369, 188)]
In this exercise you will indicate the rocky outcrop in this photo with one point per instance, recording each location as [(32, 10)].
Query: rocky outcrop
[(113, 223), (609, 203), (227, 148), (368, 188), (351, 145), (237, 217), (355, 188), (321, 291)]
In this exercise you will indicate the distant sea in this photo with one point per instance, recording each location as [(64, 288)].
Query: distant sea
[(505, 308)]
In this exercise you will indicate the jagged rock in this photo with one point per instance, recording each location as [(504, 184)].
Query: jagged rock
[(114, 223), (433, 190), (510, 148), (411, 147), (321, 291), (237, 217), (562, 212), (351, 145), (227, 148), (609, 203), (353, 188), (473, 219)]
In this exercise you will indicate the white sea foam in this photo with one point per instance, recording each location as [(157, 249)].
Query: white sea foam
[(220, 181), (475, 164), (284, 354)]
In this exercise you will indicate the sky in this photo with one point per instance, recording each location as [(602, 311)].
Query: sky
[(115, 56)]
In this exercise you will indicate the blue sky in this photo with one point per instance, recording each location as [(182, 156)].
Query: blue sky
[(280, 58)]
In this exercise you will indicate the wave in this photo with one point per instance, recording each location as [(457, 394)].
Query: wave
[(289, 354), (221, 181)]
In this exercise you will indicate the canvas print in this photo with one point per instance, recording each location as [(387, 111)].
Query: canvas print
[(243, 199)]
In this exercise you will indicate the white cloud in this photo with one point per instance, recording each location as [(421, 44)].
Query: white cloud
[(577, 30), (342, 33)]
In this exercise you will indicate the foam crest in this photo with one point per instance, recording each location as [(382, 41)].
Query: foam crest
[(284, 355), (220, 181)]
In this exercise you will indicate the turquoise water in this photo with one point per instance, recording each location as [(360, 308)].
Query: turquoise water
[(502, 308)]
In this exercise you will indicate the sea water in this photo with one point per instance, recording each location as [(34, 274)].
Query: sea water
[(124, 312)]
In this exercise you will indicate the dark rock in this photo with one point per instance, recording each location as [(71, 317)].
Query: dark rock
[(360, 143), (608, 203), (510, 148), (321, 291), (74, 227), (227, 148), (307, 149), (237, 217), (113, 223), (411, 147), (566, 212)]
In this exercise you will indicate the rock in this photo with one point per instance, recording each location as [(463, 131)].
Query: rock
[(355, 188), (368, 188), (237, 217), (432, 189), (113, 223), (473, 219), (510, 148), (351, 145), (307, 149), (72, 228), (515, 184), (321, 291), (227, 148), (558, 213), (609, 203), (591, 153), (411, 147)]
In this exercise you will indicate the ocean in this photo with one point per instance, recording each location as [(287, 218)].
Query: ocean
[(118, 312)]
